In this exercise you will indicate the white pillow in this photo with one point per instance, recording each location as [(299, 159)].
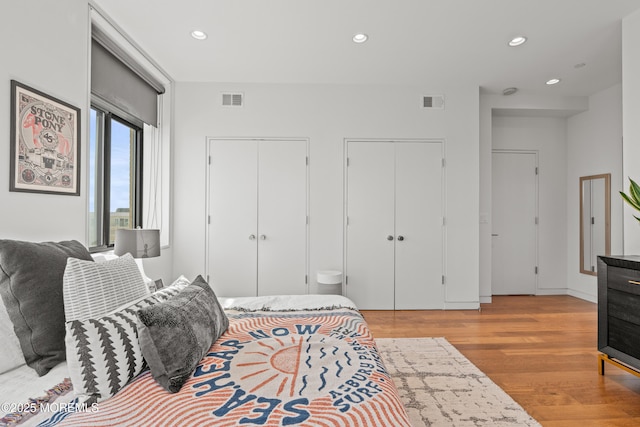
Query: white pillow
[(92, 289), (10, 352), (103, 256)]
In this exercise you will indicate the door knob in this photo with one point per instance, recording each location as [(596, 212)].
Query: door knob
[(252, 237), (263, 237), (389, 237), (401, 238)]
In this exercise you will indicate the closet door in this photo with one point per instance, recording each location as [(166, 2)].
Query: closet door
[(370, 227), (282, 217), (418, 220), (233, 195)]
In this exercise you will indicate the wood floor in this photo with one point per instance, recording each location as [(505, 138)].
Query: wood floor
[(541, 350)]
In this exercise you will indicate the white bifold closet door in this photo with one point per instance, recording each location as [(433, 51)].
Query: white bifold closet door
[(419, 223), (394, 247), (233, 207), (258, 217), (282, 218), (370, 242)]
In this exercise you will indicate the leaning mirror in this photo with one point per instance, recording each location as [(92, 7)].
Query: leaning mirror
[(595, 220)]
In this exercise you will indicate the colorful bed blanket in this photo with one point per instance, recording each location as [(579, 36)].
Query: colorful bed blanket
[(294, 368)]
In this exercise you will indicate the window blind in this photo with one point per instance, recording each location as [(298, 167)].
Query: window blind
[(117, 83)]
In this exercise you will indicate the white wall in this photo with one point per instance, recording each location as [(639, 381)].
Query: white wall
[(44, 45), (327, 115), (631, 122), (55, 60), (546, 136), (324, 114), (594, 146)]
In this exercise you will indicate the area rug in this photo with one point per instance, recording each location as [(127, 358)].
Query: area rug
[(441, 387)]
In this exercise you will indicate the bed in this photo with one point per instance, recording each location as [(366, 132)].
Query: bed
[(279, 360)]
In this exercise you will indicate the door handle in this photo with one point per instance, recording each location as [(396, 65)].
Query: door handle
[(494, 235), (389, 237), (252, 237), (263, 237), (401, 238)]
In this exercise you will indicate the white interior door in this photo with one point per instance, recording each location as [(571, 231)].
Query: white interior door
[(282, 217), (233, 210), (418, 215), (370, 234), (514, 241)]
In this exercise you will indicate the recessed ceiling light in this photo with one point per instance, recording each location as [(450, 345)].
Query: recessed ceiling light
[(360, 38), (509, 91), (198, 35), (553, 81), (517, 41)]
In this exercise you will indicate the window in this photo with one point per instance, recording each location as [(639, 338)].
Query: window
[(115, 177), (129, 141)]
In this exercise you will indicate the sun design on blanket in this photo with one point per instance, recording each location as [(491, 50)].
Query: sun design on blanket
[(284, 375), (291, 366)]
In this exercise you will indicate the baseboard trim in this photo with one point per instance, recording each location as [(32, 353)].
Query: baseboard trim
[(461, 305), (542, 292), (557, 291), (583, 295)]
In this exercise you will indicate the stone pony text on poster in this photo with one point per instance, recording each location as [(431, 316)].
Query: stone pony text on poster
[(45, 143)]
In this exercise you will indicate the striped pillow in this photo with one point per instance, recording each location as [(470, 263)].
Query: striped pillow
[(103, 353), (93, 289)]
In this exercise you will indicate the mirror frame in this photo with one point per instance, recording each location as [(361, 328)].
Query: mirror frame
[(607, 217)]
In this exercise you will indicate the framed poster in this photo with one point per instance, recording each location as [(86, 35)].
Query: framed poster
[(45, 143)]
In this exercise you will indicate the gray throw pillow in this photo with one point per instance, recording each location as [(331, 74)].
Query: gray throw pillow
[(176, 334), (31, 289)]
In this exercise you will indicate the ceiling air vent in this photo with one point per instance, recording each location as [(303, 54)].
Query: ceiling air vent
[(433, 102), (232, 99)]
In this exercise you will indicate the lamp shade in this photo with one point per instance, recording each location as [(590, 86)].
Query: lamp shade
[(138, 242)]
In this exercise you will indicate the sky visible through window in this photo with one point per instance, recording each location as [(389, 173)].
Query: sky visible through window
[(120, 164)]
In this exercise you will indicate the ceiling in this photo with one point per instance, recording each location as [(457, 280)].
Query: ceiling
[(431, 43)]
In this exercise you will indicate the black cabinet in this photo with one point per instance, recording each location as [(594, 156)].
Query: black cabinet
[(619, 309)]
